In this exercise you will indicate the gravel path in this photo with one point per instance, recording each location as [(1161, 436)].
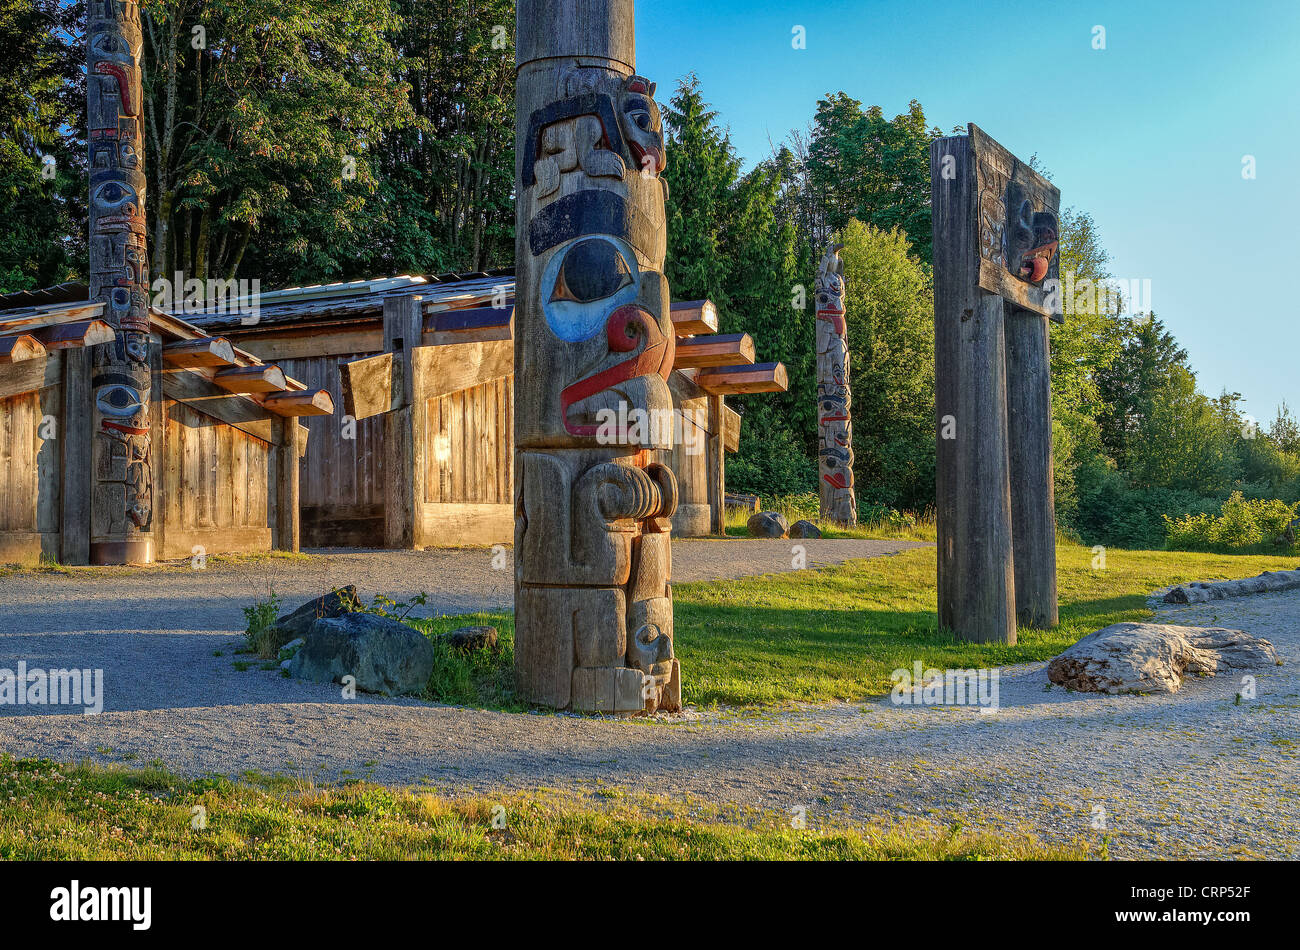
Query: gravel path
[(1188, 775)]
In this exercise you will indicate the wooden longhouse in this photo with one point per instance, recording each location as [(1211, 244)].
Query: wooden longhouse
[(226, 435), (421, 453)]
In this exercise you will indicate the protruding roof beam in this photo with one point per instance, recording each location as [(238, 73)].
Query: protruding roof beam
[(19, 347), (68, 336), (742, 380), (316, 402), (694, 316), (266, 378), (205, 351), (722, 350)]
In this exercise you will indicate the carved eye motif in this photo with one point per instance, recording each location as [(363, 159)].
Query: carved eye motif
[(584, 283), (114, 195), (118, 401)]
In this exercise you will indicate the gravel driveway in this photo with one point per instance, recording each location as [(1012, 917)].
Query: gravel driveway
[(1192, 774)]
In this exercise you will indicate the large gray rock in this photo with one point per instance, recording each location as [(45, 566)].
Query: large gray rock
[(296, 623), (1153, 657), (1266, 583), (385, 655), (767, 524), (805, 529)]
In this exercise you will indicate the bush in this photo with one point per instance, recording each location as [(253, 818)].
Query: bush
[(1242, 524)]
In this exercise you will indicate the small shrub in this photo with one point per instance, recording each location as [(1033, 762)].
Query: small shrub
[(259, 617), (1243, 524)]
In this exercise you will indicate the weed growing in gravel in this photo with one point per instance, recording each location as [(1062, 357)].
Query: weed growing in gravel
[(259, 617)]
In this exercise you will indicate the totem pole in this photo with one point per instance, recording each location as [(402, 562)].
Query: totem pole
[(834, 430), (995, 288), (121, 500), (593, 350)]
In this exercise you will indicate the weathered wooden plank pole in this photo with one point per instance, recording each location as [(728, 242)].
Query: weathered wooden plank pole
[(834, 430), (594, 346), (122, 477), (994, 222)]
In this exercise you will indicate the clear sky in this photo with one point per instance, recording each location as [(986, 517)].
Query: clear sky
[(1148, 134)]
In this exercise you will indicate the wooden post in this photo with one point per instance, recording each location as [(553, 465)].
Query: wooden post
[(122, 479), (403, 440), (594, 346), (285, 522), (717, 466), (78, 441), (1029, 431), (834, 431), (994, 223)]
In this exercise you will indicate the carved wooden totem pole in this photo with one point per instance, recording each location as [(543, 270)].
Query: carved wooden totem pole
[(995, 288), (834, 431), (593, 350), (121, 501)]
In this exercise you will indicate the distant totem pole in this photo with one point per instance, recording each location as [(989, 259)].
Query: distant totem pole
[(594, 348), (834, 430), (995, 289), (121, 501)]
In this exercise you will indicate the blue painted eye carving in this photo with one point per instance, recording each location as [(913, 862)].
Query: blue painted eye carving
[(584, 283), (118, 401)]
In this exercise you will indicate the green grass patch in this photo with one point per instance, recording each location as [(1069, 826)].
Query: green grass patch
[(86, 812), (836, 634)]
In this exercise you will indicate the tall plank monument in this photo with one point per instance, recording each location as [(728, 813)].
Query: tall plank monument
[(995, 288), (594, 347)]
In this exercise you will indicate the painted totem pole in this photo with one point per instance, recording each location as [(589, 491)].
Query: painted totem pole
[(995, 289), (121, 500), (834, 430), (593, 350)]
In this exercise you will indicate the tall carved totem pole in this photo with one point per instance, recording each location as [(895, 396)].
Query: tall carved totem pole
[(593, 341), (995, 289), (834, 430), (121, 501)]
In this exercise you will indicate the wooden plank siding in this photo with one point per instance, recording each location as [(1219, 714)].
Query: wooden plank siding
[(30, 475), (215, 483)]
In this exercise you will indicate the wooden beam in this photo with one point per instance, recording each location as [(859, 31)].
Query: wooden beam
[(730, 429), (78, 438), (741, 380), (403, 489), (63, 313), (694, 316), (367, 386), (307, 403), (198, 393), (206, 351), (723, 350), (19, 347), (284, 488), (264, 378), (450, 369), (28, 375), (67, 336)]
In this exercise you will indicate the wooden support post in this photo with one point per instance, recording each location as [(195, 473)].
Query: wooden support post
[(1029, 442), (77, 434), (403, 443), (284, 484), (995, 243), (593, 606), (717, 466)]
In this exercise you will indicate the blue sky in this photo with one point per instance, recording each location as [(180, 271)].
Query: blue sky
[(1148, 134)]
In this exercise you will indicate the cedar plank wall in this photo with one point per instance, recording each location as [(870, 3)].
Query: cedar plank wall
[(215, 485), (689, 460), (30, 470), (341, 481)]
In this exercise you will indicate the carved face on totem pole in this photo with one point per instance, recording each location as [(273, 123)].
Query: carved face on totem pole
[(1019, 235), (594, 349), (119, 278)]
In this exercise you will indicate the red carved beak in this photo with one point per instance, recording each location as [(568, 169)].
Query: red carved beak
[(625, 328)]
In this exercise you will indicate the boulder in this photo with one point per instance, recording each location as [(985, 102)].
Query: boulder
[(296, 623), (473, 639), (805, 529), (1266, 583), (767, 524), (1153, 657), (385, 655)]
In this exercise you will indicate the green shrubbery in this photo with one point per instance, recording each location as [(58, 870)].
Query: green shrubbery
[(1242, 524)]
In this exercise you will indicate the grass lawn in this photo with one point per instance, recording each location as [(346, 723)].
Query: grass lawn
[(55, 812), (837, 633)]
